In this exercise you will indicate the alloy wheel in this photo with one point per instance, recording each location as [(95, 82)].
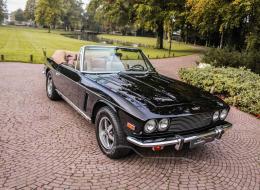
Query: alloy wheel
[(106, 133), (49, 86)]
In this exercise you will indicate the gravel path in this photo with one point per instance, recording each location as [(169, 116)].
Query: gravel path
[(47, 145)]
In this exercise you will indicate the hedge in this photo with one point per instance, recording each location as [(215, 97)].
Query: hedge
[(237, 86), (230, 58)]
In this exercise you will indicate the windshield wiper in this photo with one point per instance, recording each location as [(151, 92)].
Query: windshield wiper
[(131, 69)]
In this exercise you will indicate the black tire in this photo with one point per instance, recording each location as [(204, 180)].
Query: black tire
[(51, 92), (120, 148)]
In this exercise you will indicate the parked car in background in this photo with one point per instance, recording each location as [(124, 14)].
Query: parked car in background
[(118, 90)]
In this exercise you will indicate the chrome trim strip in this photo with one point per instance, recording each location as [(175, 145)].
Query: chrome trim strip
[(100, 72), (74, 106), (81, 61), (217, 133)]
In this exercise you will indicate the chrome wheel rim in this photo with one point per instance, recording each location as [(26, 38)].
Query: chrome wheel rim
[(106, 133), (49, 86)]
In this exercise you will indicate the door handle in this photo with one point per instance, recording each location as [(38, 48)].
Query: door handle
[(57, 74)]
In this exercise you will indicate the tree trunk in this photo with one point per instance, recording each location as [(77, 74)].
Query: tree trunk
[(160, 31), (186, 36), (169, 33), (49, 29), (221, 40), (170, 47)]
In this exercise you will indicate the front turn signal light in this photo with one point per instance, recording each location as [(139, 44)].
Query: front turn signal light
[(130, 126)]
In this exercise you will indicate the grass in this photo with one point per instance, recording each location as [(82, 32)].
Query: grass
[(18, 44), (178, 48)]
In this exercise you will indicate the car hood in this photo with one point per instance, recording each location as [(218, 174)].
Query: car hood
[(158, 93)]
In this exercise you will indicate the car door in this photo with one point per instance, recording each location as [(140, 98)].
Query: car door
[(67, 79)]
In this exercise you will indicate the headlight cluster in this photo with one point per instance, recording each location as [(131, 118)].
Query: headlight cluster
[(220, 115), (163, 125), (152, 125)]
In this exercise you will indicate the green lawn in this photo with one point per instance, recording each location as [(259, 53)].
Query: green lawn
[(178, 48), (18, 43)]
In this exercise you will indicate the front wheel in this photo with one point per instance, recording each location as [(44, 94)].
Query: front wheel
[(50, 88), (110, 136)]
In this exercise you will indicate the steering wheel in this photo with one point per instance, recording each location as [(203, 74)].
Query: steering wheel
[(137, 67)]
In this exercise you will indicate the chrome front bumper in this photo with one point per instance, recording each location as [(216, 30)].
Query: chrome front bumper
[(178, 141)]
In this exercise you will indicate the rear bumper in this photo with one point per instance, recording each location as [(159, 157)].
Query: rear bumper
[(178, 141)]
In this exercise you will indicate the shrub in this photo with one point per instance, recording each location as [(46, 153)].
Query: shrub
[(239, 87), (228, 58)]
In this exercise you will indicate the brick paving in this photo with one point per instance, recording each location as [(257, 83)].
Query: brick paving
[(171, 66), (47, 145)]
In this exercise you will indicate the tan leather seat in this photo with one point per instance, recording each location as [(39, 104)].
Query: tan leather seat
[(92, 63), (98, 64), (64, 56)]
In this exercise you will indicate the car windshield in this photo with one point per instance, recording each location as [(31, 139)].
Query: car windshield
[(113, 59)]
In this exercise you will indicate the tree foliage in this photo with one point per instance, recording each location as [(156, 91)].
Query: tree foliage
[(232, 23), (205, 15), (72, 14), (91, 22), (121, 15), (2, 10), (48, 12), (111, 14), (66, 13), (30, 9), (155, 15), (19, 15), (235, 20)]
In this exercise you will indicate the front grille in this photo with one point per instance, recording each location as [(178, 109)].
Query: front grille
[(187, 123)]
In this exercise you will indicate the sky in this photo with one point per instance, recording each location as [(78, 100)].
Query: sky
[(13, 5)]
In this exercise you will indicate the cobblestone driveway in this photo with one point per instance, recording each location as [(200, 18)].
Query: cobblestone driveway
[(47, 145)]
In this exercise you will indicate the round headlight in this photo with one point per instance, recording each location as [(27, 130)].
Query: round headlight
[(223, 114), (150, 126), (215, 116), (163, 125)]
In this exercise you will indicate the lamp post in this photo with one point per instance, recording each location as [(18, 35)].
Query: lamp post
[(172, 21)]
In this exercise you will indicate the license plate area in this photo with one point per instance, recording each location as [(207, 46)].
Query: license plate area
[(201, 141)]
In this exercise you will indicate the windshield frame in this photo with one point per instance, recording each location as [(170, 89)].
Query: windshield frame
[(148, 64)]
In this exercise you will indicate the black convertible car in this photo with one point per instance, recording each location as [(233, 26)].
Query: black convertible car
[(131, 104)]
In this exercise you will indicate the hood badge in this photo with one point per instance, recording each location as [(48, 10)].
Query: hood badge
[(195, 108)]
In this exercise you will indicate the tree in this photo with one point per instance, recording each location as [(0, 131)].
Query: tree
[(48, 12), (253, 37), (242, 19), (29, 11), (112, 14), (72, 14), (91, 8), (119, 14), (153, 14), (234, 22), (2, 10), (206, 16), (19, 15)]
